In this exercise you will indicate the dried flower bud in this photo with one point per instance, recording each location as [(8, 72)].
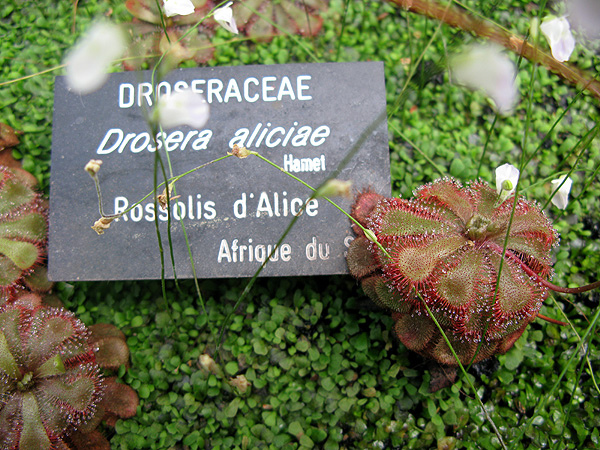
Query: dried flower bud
[(93, 166), (241, 383), (208, 363), (103, 223), (162, 198), (240, 152)]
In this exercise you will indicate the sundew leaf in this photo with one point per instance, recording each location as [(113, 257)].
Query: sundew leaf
[(33, 434), (30, 226), (14, 195), (22, 254), (9, 272)]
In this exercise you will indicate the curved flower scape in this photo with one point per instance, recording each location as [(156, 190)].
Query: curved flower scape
[(444, 247), (50, 383)]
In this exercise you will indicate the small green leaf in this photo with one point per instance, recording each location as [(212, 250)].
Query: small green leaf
[(295, 429), (137, 321), (303, 344), (260, 348), (231, 367), (360, 342), (232, 409)]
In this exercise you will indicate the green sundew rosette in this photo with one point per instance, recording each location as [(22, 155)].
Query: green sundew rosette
[(50, 381)]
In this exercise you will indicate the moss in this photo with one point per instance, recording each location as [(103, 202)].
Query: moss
[(324, 370)]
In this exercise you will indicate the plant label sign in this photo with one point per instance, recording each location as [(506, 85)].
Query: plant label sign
[(305, 118)]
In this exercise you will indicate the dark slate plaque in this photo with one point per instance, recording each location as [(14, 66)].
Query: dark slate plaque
[(304, 117)]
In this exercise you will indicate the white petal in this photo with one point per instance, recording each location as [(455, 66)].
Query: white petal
[(224, 16), (558, 34), (507, 172), (88, 62), (182, 108), (561, 198), (487, 68), (178, 7)]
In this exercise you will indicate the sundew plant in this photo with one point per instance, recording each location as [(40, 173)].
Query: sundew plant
[(504, 92)]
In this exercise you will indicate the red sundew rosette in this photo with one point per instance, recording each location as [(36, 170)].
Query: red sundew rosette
[(444, 247)]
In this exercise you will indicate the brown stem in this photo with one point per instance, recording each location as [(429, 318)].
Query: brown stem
[(578, 290), (461, 19), (551, 320)]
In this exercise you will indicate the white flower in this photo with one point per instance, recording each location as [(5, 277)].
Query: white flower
[(224, 16), (88, 62), (486, 68), (561, 198), (178, 7), (558, 34), (182, 108), (507, 177)]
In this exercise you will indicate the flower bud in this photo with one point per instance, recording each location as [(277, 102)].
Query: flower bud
[(208, 363), (240, 152), (162, 199), (507, 177), (103, 223), (224, 16), (561, 198), (93, 166), (370, 235), (241, 383), (335, 188)]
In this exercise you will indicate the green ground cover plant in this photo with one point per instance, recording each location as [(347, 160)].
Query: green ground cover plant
[(322, 367)]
